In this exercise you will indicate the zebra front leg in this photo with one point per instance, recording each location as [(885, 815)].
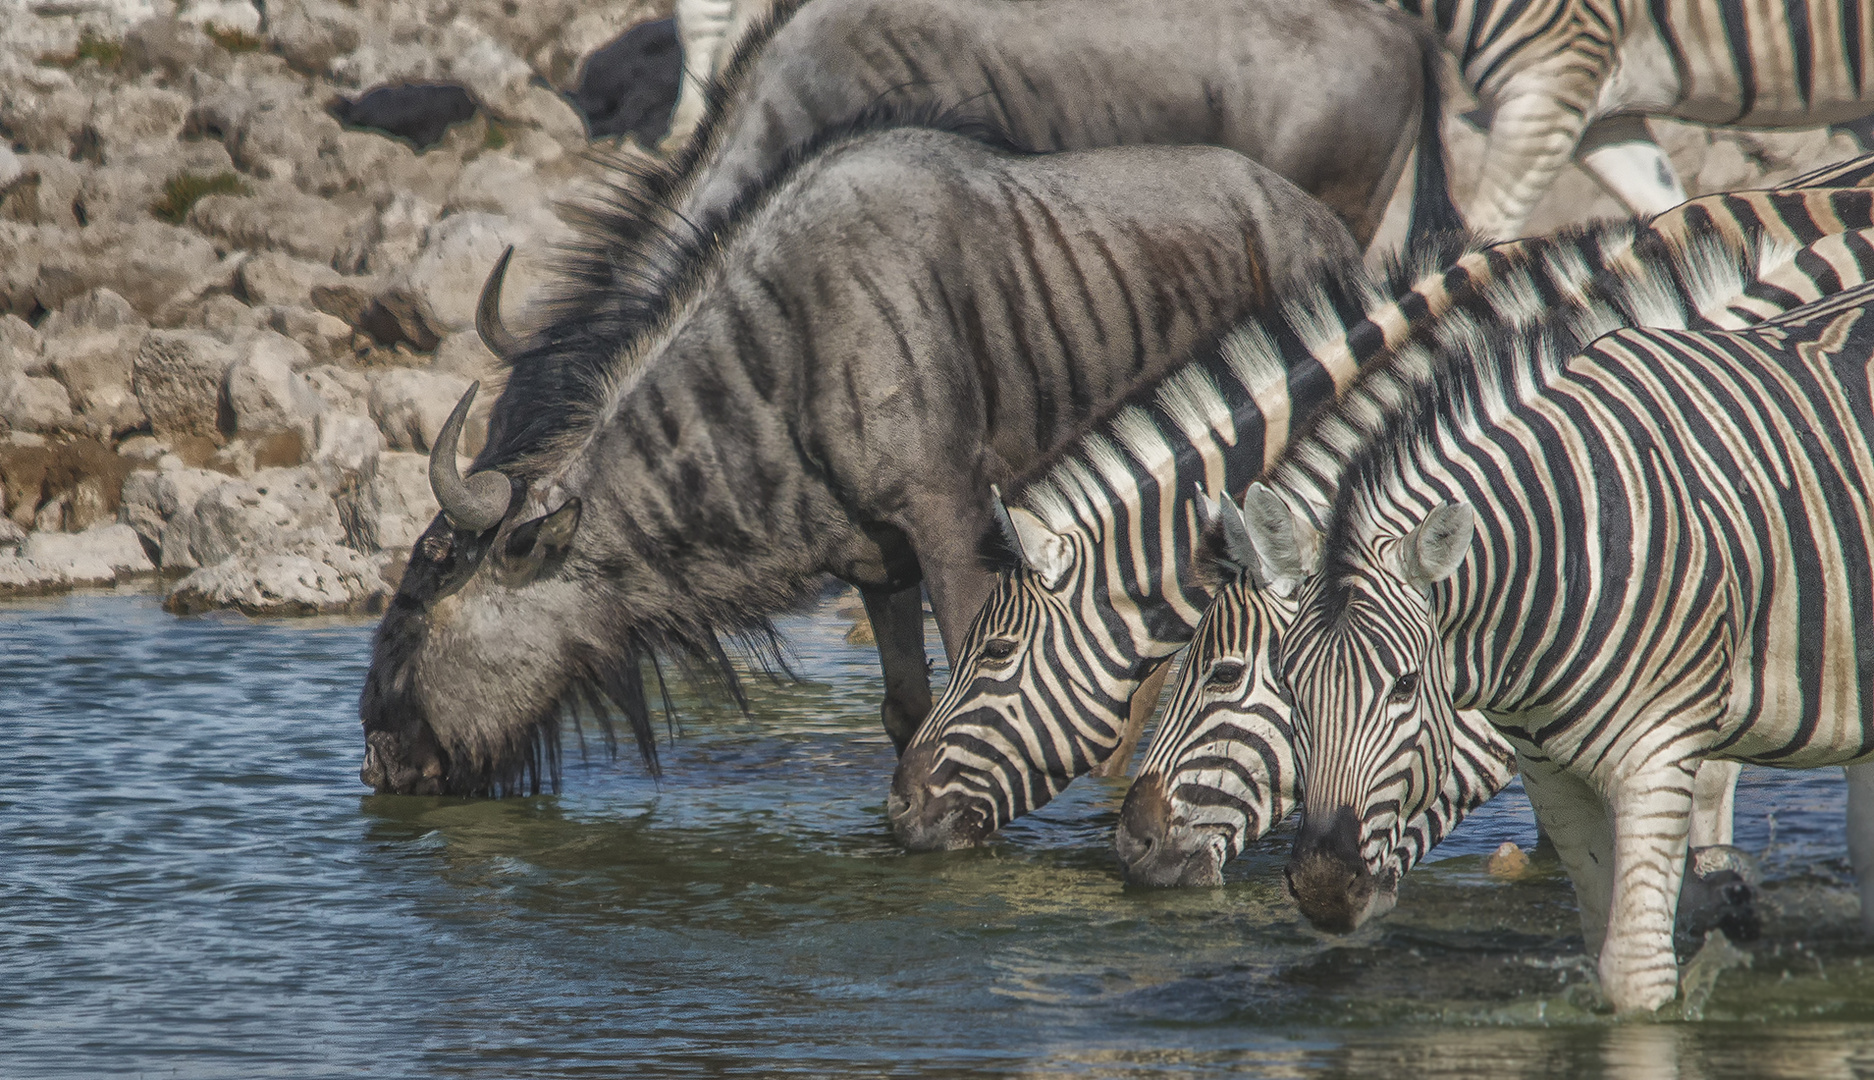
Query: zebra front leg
[(1652, 809), (1533, 132), (1575, 819), (1620, 152), (1144, 703), (1861, 837), (1714, 802), (898, 627)]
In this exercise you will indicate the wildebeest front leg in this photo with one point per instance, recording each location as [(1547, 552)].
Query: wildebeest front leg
[(898, 626)]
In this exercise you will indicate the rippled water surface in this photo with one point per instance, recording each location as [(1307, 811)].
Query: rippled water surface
[(193, 883)]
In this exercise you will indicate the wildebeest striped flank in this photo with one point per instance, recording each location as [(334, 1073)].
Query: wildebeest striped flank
[(1330, 94), (827, 384)]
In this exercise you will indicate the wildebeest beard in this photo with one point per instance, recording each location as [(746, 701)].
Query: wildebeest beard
[(611, 672)]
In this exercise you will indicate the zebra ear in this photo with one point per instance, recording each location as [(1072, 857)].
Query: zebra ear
[(1237, 546), (1288, 547), (1433, 551), (1043, 550)]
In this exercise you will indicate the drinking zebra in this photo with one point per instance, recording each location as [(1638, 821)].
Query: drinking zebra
[(826, 384), (1633, 558), (1564, 78), (1099, 597), (1330, 94)]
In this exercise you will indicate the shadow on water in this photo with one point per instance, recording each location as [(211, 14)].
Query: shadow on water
[(193, 883)]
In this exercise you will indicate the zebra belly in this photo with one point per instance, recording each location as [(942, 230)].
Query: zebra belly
[(1777, 64)]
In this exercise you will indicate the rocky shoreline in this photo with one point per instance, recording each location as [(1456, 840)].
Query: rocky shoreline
[(231, 325)]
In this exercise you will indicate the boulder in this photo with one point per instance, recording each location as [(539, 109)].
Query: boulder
[(10, 167), (147, 263), (47, 191), (152, 497), (99, 309), (326, 337), (11, 536), (310, 579), (221, 14), (133, 114), (33, 403), (23, 469), (277, 278), (411, 404), (310, 34), (629, 86), (173, 49), (269, 511), (280, 218), (96, 556), (265, 392), (95, 367), (177, 378), (344, 389), (392, 506), (458, 252), (347, 444), (21, 347)]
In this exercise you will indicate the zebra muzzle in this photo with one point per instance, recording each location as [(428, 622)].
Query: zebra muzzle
[(926, 818), (1328, 877), (1157, 848)]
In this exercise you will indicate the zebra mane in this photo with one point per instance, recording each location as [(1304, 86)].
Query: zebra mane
[(1480, 360), (633, 264), (1166, 422)]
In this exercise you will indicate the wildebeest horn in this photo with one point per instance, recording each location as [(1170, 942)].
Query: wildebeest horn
[(478, 503), (488, 324)]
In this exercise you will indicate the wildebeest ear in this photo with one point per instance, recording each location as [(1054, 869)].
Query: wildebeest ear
[(545, 537), (1287, 548), (1433, 551), (1043, 550)]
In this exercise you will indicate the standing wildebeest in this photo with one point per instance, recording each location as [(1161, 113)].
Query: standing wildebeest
[(827, 384), (1328, 93)]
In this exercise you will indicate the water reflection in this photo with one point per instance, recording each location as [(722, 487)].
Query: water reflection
[(193, 882)]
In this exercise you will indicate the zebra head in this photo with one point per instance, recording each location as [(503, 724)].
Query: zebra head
[(1366, 671), (1222, 770), (1039, 694)]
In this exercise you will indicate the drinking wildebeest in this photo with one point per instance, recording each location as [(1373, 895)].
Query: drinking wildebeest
[(628, 85), (1330, 94), (828, 383)]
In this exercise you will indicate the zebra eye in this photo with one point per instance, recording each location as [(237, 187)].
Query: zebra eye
[(998, 648), (1224, 674), (1403, 690)]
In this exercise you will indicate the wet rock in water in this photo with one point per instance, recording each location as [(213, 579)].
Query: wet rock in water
[(629, 86), (418, 112), (308, 579), (270, 511), (1507, 861), (177, 378), (1720, 892), (97, 556)]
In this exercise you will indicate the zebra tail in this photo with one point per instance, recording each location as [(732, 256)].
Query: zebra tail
[(1432, 208)]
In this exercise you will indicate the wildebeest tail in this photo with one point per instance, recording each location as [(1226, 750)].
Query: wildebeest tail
[(1432, 208)]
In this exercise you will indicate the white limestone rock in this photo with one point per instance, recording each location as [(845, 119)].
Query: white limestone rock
[(177, 378), (152, 498), (411, 404), (270, 511), (308, 579)]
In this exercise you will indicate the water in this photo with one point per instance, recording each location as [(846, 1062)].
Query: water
[(193, 883)]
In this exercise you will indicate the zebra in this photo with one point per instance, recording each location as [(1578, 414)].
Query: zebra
[(1078, 74), (826, 385), (1632, 557), (1562, 78), (1051, 678)]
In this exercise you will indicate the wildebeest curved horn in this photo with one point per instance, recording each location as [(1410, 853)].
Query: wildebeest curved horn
[(478, 503), (494, 333)]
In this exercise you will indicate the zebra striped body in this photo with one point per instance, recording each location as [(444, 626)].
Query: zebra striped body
[(1671, 563), (1577, 77), (1040, 688)]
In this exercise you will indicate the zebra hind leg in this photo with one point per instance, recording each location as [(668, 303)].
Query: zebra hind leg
[(1620, 153)]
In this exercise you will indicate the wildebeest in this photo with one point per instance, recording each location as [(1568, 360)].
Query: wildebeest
[(629, 85), (1327, 93), (828, 382), (418, 112)]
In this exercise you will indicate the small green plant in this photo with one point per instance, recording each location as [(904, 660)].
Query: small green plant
[(182, 191), (496, 136), (234, 39), (105, 52)]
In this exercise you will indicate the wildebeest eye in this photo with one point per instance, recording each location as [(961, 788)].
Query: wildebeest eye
[(436, 548), (1225, 674), (998, 648), (1403, 690)]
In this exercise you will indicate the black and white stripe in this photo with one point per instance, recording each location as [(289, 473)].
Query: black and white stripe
[(1041, 687), (1671, 563)]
